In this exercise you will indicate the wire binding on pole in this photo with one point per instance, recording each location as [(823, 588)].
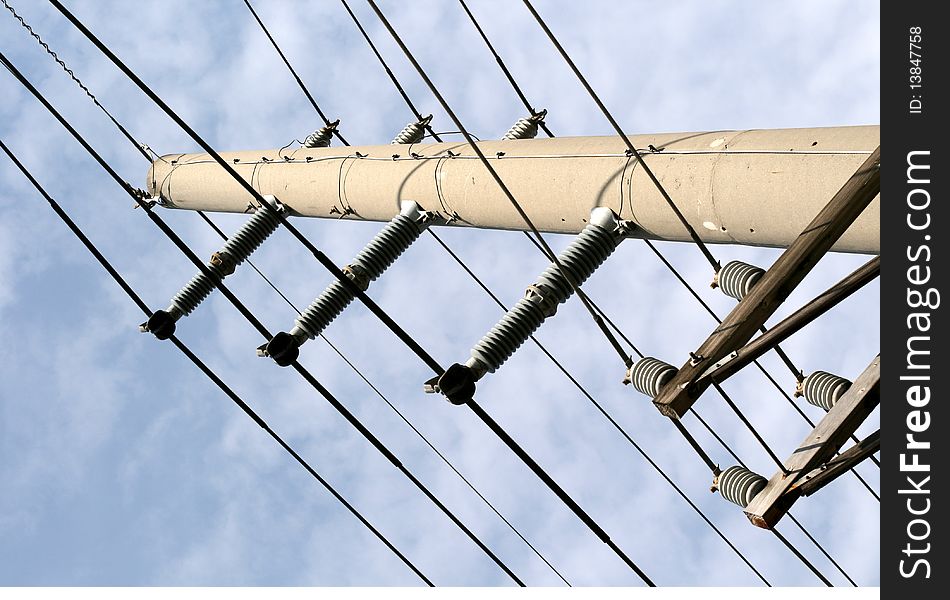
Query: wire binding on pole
[(648, 375), (823, 389), (739, 485), (377, 256), (526, 128), (736, 278), (223, 263), (321, 137), (581, 258), (413, 132)]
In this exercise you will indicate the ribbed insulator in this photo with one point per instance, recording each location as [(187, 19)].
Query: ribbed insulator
[(194, 292), (649, 374), (523, 129), (739, 485), (234, 252), (251, 235), (413, 132), (824, 389), (321, 137), (736, 278), (371, 261), (587, 252)]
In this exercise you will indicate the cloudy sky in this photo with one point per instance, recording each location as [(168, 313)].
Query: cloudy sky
[(122, 465)]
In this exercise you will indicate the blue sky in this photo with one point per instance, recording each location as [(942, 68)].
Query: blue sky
[(122, 465)]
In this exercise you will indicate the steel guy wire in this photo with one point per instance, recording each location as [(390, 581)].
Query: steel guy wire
[(252, 319), (603, 411), (324, 260), (206, 370), (72, 75), (141, 148), (317, 254), (633, 151), (293, 72)]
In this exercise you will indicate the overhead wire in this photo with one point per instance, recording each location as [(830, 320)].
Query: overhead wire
[(784, 357), (293, 72), (626, 140), (609, 418), (389, 72), (233, 396), (323, 259), (690, 439), (411, 105), (252, 319), (472, 404), (504, 68), (327, 340), (794, 520)]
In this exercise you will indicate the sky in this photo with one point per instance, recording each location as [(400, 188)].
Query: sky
[(121, 464)]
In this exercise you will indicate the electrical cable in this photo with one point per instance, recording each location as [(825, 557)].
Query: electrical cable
[(249, 316), (206, 370), (317, 254), (504, 69), (633, 151), (501, 184), (603, 411), (392, 76), (761, 368), (293, 72), (800, 526), (323, 259)]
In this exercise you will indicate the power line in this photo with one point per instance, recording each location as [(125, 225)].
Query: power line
[(206, 370), (761, 368), (495, 298), (630, 147), (472, 404), (323, 259), (293, 72), (741, 463), (504, 69), (392, 76), (603, 411), (76, 79), (249, 316), (444, 459)]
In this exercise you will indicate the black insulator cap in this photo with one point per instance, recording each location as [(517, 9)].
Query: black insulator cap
[(161, 324), (283, 348), (457, 384)]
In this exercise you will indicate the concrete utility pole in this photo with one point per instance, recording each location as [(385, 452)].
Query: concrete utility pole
[(758, 187)]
